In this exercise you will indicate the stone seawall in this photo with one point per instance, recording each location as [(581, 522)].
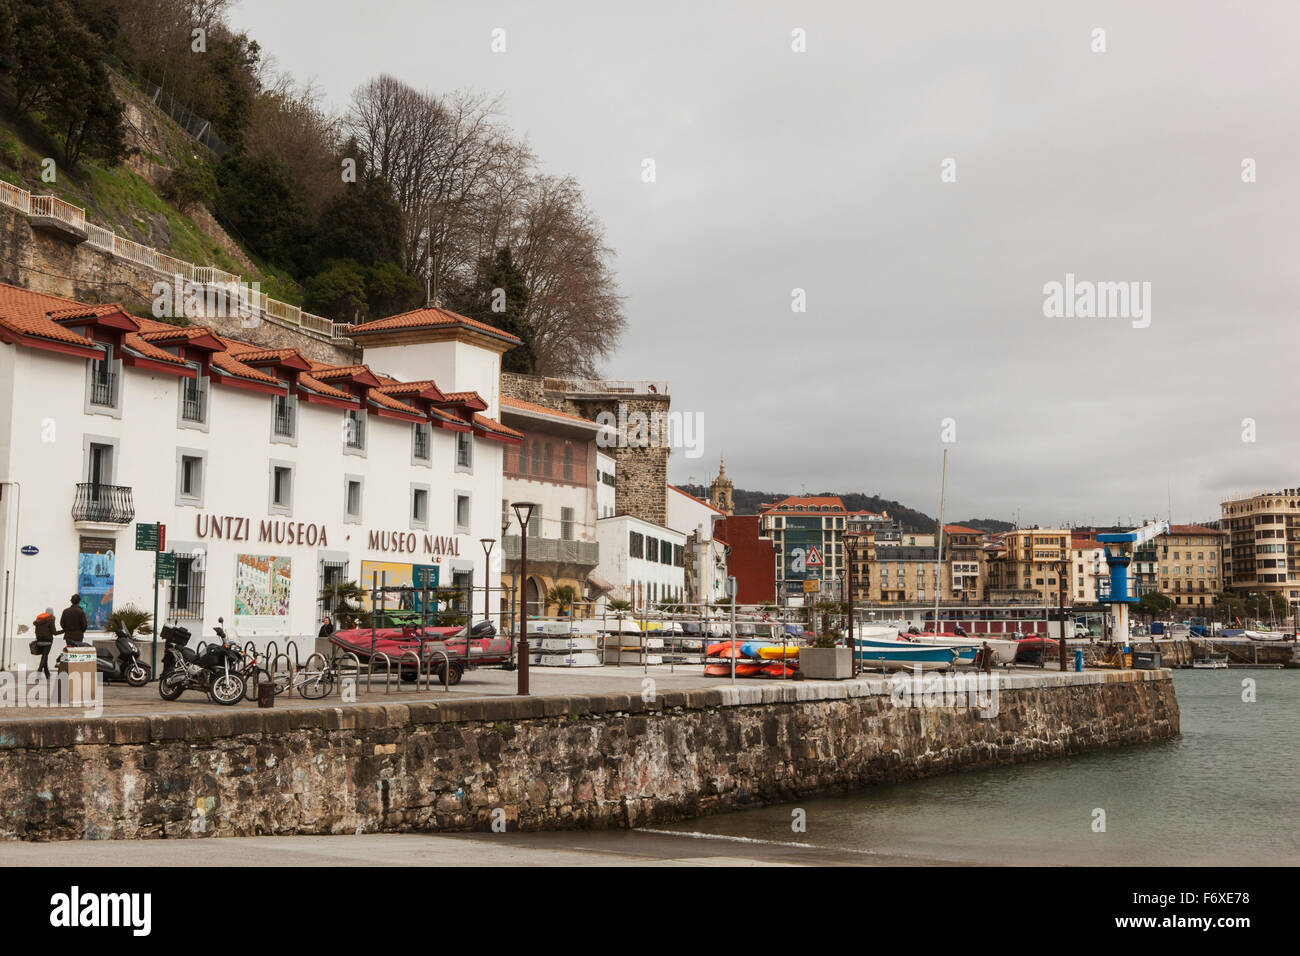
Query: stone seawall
[(548, 762)]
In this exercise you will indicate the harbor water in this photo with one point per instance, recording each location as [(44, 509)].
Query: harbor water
[(1222, 793)]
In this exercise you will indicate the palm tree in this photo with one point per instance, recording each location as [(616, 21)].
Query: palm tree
[(564, 597), (131, 619)]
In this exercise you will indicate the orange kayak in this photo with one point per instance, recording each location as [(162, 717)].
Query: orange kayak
[(723, 649)]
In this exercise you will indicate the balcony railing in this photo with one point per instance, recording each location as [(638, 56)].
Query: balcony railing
[(555, 549), (192, 404), (103, 388), (106, 504)]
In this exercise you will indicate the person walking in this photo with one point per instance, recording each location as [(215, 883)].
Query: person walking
[(73, 622), (45, 632)]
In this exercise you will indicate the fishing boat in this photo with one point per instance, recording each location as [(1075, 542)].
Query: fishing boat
[(1211, 662), (1004, 651), (903, 655)]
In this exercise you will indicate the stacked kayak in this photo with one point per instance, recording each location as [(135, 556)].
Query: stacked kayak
[(752, 659)]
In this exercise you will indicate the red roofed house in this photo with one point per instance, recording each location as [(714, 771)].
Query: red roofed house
[(391, 466)]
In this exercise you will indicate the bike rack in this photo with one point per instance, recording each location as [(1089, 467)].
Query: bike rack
[(315, 654), (250, 649), (271, 670), (446, 672), (272, 650), (415, 657), (388, 671), (296, 659)]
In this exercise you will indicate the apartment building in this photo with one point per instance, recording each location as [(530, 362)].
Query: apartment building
[(1028, 565), (1261, 544), (807, 534), (1190, 565)]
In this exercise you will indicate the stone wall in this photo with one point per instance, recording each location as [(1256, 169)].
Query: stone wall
[(43, 262), (547, 762)]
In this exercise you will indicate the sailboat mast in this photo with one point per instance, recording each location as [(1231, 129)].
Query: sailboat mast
[(938, 562)]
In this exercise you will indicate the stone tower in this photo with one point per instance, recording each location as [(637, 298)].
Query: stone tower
[(720, 490), (636, 411)]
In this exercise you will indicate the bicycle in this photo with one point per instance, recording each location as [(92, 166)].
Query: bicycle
[(309, 683)]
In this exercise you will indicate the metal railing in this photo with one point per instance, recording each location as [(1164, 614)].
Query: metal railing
[(52, 207), (251, 301), (192, 403), (605, 386), (110, 504), (103, 386)]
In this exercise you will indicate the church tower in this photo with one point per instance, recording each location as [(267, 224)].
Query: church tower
[(720, 490)]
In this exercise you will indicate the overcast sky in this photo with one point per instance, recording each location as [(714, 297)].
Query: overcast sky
[(821, 171)]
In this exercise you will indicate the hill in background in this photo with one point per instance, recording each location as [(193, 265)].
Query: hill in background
[(748, 502)]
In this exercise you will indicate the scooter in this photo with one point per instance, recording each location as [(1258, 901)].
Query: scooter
[(126, 666)]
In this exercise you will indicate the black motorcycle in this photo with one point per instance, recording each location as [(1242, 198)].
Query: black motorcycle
[(126, 666), (218, 670)]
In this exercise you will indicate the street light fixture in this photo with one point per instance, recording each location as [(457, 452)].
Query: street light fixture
[(524, 512), (487, 577)]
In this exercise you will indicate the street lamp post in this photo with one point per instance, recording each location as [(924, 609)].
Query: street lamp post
[(510, 601), (487, 575), (524, 512)]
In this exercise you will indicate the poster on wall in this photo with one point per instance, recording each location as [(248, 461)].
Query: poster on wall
[(395, 577), (262, 587), (95, 564)]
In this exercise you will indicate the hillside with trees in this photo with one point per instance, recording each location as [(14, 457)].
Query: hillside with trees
[(363, 213)]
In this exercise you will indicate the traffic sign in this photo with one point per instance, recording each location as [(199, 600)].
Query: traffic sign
[(166, 565), (146, 537), (814, 559), (812, 585)]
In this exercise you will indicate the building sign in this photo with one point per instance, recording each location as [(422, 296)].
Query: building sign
[(146, 537), (309, 534), (267, 531), (262, 585), (95, 571)]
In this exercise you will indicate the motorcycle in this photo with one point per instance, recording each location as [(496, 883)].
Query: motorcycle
[(126, 666), (219, 670)]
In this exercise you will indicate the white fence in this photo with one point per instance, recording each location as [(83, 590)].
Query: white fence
[(254, 301)]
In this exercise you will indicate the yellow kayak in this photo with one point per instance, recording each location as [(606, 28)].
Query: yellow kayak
[(778, 652)]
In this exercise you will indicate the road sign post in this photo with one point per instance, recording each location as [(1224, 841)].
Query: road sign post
[(153, 537)]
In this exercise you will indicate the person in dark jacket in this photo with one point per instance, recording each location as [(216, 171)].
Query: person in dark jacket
[(327, 628), (45, 631), (73, 622)]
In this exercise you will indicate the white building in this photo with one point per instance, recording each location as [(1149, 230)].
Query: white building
[(605, 497), (708, 565), (643, 562), (273, 475)]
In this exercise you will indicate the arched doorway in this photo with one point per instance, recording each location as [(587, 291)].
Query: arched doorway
[(536, 606)]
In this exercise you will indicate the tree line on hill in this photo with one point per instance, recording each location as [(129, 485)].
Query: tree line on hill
[(407, 191), (749, 502)]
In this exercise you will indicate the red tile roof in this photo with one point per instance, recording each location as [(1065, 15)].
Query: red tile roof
[(493, 425), (28, 313), (544, 410), (960, 529), (427, 319)]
